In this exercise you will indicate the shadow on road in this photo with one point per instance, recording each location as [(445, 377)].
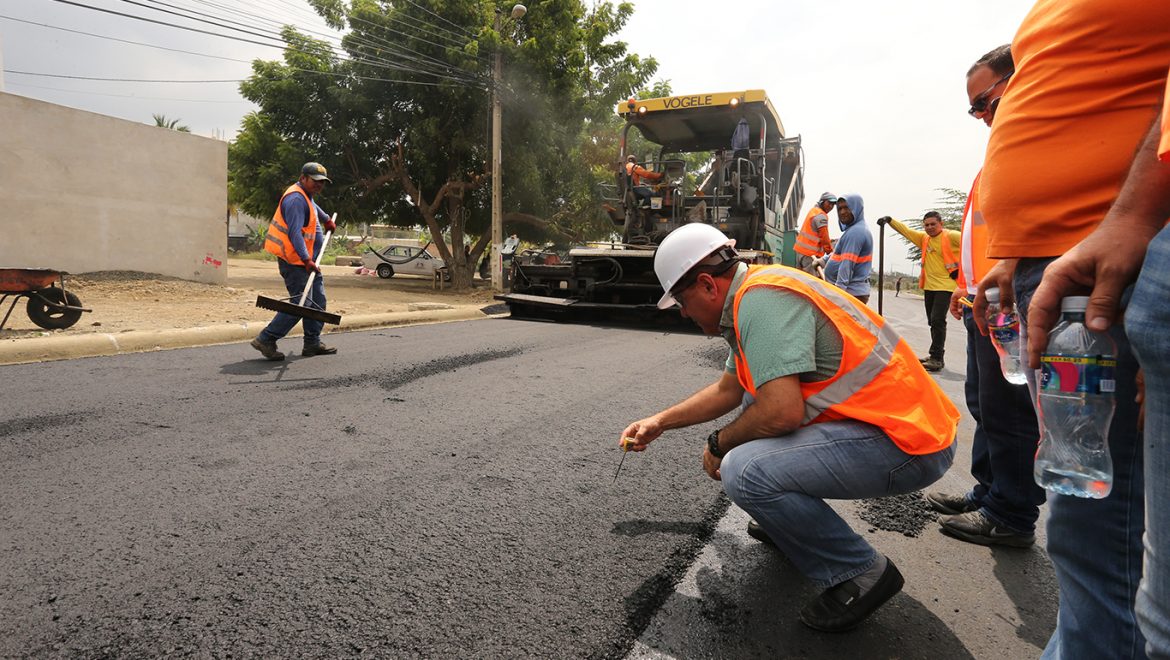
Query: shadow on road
[(750, 607)]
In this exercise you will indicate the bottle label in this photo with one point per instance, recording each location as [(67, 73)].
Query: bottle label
[(1005, 328), (1079, 374)]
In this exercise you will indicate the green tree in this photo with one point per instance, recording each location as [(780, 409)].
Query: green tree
[(401, 117), (173, 124)]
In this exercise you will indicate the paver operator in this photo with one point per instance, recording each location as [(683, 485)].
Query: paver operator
[(821, 384), (940, 268), (295, 237), (813, 240)]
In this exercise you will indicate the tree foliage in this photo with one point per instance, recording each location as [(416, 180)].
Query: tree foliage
[(173, 124), (401, 117)]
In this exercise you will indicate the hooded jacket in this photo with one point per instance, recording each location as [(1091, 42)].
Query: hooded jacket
[(852, 261)]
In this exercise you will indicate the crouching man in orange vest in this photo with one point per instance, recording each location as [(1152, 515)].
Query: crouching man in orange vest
[(832, 403), (295, 237)]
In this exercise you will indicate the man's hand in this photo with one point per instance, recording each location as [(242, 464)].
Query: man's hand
[(884, 220), (711, 464), (957, 304), (329, 226), (1000, 276), (1106, 262), (643, 431), (312, 267)]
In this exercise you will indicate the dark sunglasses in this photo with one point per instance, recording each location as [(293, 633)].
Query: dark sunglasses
[(981, 104)]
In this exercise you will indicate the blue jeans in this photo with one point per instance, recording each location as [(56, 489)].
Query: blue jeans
[(1147, 321), (1096, 545), (783, 484), (295, 278), (1003, 450)]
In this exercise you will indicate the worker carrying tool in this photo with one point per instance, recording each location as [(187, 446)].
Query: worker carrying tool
[(295, 237), (940, 268), (813, 240), (820, 381)]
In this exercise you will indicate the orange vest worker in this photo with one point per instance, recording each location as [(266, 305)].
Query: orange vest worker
[(948, 257), (877, 369), (813, 242), (277, 241)]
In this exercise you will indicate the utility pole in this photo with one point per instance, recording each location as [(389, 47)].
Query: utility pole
[(497, 154), (497, 158)]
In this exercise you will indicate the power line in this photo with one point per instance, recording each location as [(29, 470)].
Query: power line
[(126, 96), (134, 80), (456, 25)]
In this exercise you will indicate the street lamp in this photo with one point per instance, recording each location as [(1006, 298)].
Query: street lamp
[(497, 156)]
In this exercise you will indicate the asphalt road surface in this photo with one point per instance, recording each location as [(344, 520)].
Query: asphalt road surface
[(437, 491)]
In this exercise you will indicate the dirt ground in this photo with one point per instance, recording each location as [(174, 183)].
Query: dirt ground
[(123, 301)]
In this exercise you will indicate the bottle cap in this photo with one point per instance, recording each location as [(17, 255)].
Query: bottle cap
[(992, 295), (1074, 304)]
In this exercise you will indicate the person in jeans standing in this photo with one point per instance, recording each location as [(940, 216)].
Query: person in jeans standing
[(1003, 505), (1083, 68), (940, 269), (820, 381)]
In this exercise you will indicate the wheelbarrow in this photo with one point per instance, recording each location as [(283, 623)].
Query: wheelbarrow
[(49, 306)]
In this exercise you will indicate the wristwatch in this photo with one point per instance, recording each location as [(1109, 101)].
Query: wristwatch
[(713, 444)]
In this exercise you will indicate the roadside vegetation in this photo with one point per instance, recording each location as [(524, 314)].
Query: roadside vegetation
[(410, 148)]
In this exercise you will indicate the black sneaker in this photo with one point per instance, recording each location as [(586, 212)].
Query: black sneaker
[(318, 349), (842, 607), (267, 349), (950, 504), (976, 527), (756, 532)]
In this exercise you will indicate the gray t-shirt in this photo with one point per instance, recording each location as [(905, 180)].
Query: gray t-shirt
[(783, 334)]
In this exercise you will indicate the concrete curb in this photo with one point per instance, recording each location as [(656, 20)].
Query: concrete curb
[(45, 349)]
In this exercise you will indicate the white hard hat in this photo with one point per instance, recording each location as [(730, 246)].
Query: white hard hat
[(681, 251)]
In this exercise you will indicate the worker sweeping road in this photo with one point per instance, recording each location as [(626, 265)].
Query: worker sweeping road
[(821, 383), (295, 237)]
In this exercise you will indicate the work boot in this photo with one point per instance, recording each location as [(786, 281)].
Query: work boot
[(933, 365), (756, 532), (267, 349), (950, 504), (317, 349), (843, 606), (976, 527)]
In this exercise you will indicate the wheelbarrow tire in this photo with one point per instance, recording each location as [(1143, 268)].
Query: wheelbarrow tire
[(51, 318)]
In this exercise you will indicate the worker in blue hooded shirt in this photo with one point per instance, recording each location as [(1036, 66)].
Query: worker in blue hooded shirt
[(852, 260)]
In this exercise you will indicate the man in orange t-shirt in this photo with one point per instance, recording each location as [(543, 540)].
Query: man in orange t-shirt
[(1108, 260), (1089, 78)]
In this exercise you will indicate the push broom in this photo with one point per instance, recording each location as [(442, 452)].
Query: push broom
[(300, 309)]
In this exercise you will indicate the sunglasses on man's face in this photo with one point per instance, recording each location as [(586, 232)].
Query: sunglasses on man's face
[(981, 103)]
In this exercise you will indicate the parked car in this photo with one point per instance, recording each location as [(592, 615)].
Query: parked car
[(402, 259)]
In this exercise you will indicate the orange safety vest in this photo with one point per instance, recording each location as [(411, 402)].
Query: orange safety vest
[(976, 264), (277, 241), (809, 241), (635, 178), (948, 257), (880, 380)]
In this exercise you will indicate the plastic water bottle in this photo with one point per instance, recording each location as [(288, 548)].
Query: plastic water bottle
[(1076, 405), (1004, 325)]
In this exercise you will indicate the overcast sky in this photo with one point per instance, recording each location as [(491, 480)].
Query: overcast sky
[(875, 89)]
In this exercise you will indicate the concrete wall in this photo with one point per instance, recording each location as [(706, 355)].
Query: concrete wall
[(85, 192)]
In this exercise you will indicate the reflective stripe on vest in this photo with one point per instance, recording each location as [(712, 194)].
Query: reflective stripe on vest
[(808, 241), (277, 240), (948, 257), (974, 242), (879, 381)]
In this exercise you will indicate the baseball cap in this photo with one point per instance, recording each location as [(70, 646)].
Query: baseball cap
[(316, 172), (828, 197)]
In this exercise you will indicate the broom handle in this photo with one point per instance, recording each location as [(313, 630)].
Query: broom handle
[(309, 283)]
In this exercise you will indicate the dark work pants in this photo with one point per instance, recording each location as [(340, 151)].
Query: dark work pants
[(937, 303), (1004, 447)]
